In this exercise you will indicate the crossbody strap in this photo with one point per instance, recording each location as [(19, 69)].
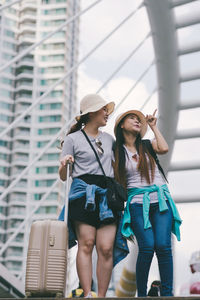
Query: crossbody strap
[(97, 157), (154, 155)]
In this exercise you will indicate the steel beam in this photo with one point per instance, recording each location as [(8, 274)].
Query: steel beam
[(184, 166), (188, 20), (186, 199), (189, 104), (164, 36), (175, 3), (188, 134), (190, 76), (188, 49)]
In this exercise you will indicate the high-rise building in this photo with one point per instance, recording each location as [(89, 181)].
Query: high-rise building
[(22, 25)]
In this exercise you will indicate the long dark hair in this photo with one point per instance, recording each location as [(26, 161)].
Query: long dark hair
[(120, 159), (77, 126)]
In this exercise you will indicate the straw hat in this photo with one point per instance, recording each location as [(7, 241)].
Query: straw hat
[(137, 113), (92, 103)]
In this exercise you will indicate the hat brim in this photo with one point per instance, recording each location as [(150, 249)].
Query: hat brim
[(110, 106), (137, 113)]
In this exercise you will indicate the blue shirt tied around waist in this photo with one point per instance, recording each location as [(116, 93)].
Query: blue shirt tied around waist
[(162, 192), (80, 188)]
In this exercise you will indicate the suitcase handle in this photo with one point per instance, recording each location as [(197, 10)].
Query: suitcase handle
[(67, 193)]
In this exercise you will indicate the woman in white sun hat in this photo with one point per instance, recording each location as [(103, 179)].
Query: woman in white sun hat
[(94, 224)]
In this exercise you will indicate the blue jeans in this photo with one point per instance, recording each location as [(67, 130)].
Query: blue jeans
[(155, 239)]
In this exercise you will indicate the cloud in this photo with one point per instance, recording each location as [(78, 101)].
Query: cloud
[(102, 19)]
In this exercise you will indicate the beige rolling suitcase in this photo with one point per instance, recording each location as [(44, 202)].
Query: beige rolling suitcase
[(47, 256)]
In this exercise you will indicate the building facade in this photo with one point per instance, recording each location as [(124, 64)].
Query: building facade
[(22, 25)]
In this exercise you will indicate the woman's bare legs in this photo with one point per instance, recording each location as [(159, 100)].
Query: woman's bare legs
[(104, 245), (86, 236)]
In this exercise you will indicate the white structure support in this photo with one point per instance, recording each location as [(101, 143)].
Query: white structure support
[(190, 76), (186, 199), (184, 166), (165, 45), (188, 21), (189, 48), (175, 3), (11, 3), (189, 104), (188, 134)]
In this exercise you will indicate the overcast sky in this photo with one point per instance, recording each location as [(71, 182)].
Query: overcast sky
[(94, 26)]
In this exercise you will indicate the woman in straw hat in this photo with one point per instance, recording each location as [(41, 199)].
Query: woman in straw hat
[(150, 212), (92, 224)]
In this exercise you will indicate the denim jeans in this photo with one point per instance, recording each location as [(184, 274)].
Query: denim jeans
[(155, 239)]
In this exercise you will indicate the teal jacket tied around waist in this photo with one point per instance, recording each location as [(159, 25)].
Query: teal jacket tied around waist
[(162, 192)]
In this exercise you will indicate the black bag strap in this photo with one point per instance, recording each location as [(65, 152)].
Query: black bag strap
[(148, 145), (97, 157)]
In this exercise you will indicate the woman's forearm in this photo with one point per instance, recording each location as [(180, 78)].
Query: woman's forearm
[(159, 144), (63, 172)]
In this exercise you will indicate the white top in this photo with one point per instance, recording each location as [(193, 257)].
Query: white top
[(134, 178), (85, 161)]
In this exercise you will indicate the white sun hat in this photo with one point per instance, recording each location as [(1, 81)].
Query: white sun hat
[(92, 103)]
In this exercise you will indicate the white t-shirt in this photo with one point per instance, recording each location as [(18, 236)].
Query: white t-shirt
[(134, 178)]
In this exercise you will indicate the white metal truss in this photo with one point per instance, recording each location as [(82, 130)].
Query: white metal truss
[(164, 28)]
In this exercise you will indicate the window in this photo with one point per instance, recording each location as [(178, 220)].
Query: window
[(7, 56), (44, 183), (50, 106), (9, 33), (3, 170), (54, 46), (55, 118), (24, 94), (3, 183), (10, 22), (44, 143), (52, 23), (53, 1), (48, 131), (50, 156), (38, 196), (5, 105), (47, 210), (24, 69), (46, 170), (55, 94), (3, 156), (52, 70), (58, 11), (48, 81), (9, 45), (5, 93), (58, 57), (3, 143), (52, 196)]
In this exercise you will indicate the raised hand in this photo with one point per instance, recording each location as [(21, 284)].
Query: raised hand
[(151, 119)]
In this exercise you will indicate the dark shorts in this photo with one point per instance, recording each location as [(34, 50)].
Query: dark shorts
[(77, 211)]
